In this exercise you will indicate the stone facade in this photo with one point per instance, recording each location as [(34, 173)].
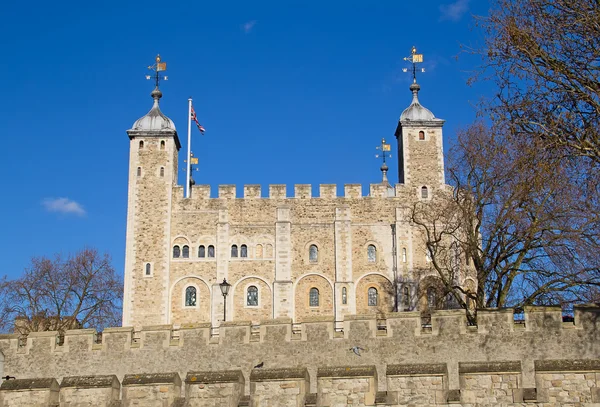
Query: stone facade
[(263, 244), (541, 362)]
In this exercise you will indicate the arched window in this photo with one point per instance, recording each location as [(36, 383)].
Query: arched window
[(234, 250), (141, 144), (211, 251), (162, 171), (201, 251), (344, 295), (244, 251), (252, 296), (431, 298), (185, 252), (404, 255), (421, 135), (162, 144), (313, 253), (372, 294), (313, 297), (406, 295), (424, 192), (139, 171), (190, 296), (176, 252), (372, 253), (269, 251), (148, 269), (259, 251)]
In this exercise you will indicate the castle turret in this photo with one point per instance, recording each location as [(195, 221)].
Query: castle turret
[(154, 145), (420, 147)]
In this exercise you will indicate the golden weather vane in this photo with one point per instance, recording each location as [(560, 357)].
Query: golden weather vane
[(384, 148), (158, 66), (414, 59)]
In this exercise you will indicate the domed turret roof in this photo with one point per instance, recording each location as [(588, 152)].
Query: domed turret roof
[(154, 120), (416, 111)]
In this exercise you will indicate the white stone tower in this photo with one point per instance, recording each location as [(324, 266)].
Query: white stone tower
[(420, 148), (154, 145)]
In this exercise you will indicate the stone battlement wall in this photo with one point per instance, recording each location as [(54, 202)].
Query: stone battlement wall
[(390, 344), (300, 191)]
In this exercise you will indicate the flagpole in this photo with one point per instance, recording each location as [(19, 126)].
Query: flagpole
[(189, 152)]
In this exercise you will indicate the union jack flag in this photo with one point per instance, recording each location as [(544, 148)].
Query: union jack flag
[(195, 119)]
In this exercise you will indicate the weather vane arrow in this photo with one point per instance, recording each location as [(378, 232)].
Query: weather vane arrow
[(414, 59), (158, 67)]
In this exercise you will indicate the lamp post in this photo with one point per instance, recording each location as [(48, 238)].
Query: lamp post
[(224, 290)]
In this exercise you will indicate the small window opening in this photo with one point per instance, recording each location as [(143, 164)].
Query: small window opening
[(162, 144), (421, 135), (372, 253), (190, 296), (234, 251), (424, 192), (404, 255), (148, 269), (185, 252), (313, 297), (176, 252), (372, 294), (344, 295), (259, 251), (162, 171), (139, 171), (406, 295), (269, 251), (211, 251), (244, 251), (431, 298), (313, 253), (141, 145), (201, 251), (252, 296)]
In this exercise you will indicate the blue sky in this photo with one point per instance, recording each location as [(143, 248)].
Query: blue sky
[(288, 91)]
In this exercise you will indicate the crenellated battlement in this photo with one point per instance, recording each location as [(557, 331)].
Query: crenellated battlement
[(443, 324), (402, 359), (298, 191)]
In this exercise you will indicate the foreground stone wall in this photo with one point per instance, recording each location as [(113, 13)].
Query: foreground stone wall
[(542, 362)]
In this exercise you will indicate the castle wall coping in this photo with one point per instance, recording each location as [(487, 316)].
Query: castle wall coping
[(419, 369), (403, 315), (222, 376), (277, 321), (347, 371), (43, 334), (227, 324), (91, 381), (76, 332), (161, 327), (47, 383), (9, 336), (448, 313), (261, 375), (546, 308), (360, 317), (196, 326), (490, 367), (495, 311), (117, 329), (151, 378), (588, 307), (315, 319), (567, 365)]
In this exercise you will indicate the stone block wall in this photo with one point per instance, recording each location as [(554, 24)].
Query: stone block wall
[(402, 363)]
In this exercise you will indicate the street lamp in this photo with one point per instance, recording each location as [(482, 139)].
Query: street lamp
[(224, 290)]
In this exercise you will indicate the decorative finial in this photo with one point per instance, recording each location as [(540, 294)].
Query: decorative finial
[(414, 59), (384, 148), (157, 67)]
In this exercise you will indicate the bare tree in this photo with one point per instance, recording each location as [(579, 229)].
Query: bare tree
[(63, 293), (545, 58), (515, 220)]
